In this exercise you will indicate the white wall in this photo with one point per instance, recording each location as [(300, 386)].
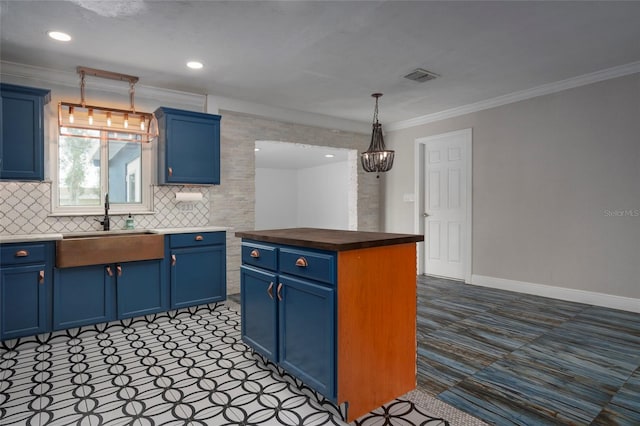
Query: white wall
[(549, 175), (314, 197), (323, 193), (276, 198)]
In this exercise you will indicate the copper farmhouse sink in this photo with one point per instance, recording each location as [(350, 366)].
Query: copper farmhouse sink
[(102, 248)]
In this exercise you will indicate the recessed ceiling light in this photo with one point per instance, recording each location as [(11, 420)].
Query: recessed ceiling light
[(329, 155), (256, 149), (195, 65), (60, 36)]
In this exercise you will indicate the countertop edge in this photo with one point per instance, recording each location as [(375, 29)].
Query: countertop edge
[(392, 239), (27, 238)]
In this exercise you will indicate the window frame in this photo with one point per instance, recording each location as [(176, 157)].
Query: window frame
[(146, 163)]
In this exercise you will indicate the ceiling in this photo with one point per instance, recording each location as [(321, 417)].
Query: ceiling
[(327, 57)]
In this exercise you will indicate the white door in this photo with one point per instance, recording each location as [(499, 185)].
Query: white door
[(447, 166)]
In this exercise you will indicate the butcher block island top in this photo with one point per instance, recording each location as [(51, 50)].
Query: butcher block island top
[(368, 321), (329, 239)]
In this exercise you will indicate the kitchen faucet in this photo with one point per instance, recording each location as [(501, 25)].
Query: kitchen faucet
[(105, 222)]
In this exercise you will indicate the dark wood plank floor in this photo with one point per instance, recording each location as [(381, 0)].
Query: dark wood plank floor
[(515, 359)]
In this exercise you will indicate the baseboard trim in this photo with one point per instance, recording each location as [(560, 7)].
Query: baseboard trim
[(562, 293)]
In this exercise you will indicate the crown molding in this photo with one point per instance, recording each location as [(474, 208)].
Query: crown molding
[(545, 89), (40, 75)]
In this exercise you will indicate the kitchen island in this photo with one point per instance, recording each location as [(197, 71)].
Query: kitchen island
[(337, 309)]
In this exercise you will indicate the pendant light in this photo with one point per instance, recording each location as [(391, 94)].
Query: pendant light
[(74, 116), (377, 158)]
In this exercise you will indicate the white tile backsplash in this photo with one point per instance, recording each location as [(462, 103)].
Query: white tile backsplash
[(25, 208)]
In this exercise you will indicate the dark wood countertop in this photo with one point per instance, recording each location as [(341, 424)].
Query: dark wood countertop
[(329, 239)]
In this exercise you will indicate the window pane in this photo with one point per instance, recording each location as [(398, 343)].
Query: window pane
[(125, 169), (79, 168)]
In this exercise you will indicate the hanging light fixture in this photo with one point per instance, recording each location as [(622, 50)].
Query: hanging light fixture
[(90, 117), (377, 158)]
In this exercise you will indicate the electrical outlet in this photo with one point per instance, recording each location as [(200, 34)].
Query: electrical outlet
[(185, 207)]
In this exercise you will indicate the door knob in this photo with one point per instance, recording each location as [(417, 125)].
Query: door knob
[(425, 214)]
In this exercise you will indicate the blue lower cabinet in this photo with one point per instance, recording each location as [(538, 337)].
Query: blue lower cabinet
[(289, 310), (198, 275), (23, 301), (26, 276), (141, 288), (100, 293), (306, 317), (83, 295), (259, 319)]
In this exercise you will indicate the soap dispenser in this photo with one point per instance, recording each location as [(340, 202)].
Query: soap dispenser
[(129, 222)]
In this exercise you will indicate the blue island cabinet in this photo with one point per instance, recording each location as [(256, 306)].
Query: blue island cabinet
[(288, 311), (22, 132), (334, 308), (86, 295), (197, 268), (25, 289), (188, 147)]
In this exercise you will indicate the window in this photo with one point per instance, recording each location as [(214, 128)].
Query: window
[(92, 163)]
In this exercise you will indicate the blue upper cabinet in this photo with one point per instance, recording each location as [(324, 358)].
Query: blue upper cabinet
[(22, 137), (188, 147)]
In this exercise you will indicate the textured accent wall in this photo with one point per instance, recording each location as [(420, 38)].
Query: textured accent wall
[(233, 201)]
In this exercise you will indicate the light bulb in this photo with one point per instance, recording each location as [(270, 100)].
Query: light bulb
[(109, 118), (58, 35), (71, 114), (142, 123), (126, 121), (90, 116)]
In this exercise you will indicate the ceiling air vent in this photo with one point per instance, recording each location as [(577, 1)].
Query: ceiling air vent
[(421, 75)]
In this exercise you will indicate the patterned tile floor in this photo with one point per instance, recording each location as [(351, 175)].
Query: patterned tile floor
[(515, 359), (180, 368)]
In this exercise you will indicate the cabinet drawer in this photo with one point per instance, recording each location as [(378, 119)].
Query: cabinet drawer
[(15, 254), (260, 255), (308, 264), (197, 239)]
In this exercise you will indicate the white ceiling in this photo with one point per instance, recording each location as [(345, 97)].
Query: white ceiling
[(327, 57)]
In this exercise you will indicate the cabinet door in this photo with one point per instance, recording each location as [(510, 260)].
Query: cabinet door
[(83, 295), (192, 148), (259, 311), (141, 288), (22, 137), (23, 301), (307, 332), (198, 275)]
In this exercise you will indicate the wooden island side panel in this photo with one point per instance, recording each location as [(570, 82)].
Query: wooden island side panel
[(376, 350)]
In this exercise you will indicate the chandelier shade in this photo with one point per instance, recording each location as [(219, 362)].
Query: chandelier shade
[(377, 158)]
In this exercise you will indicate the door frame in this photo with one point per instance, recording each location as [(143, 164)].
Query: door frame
[(419, 189)]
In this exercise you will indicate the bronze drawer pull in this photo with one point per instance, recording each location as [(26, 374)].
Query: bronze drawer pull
[(22, 253), (41, 277), (270, 290), (170, 171), (173, 260), (279, 291), (255, 253), (119, 269), (109, 271), (302, 262), (199, 238)]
